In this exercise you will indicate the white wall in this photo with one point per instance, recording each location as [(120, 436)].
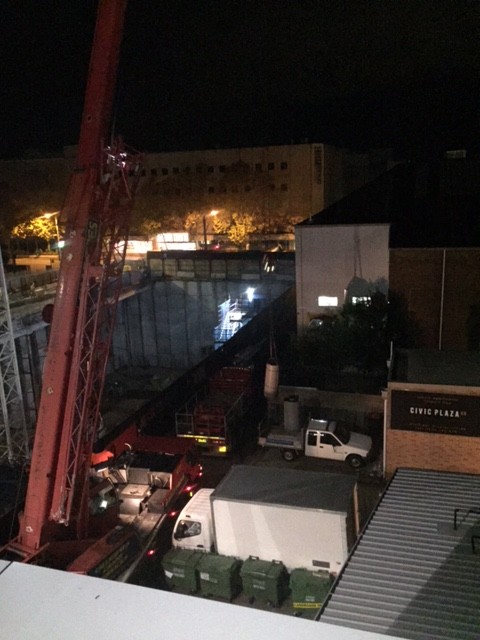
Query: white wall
[(327, 258)]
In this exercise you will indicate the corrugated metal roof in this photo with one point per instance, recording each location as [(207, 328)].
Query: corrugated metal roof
[(289, 487), (412, 574)]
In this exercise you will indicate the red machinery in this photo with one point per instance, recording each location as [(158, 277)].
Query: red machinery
[(212, 418), (55, 525)]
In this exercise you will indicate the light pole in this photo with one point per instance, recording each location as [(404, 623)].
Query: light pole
[(204, 232), (54, 215), (212, 213)]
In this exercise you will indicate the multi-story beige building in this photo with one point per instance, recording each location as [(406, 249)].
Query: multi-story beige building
[(279, 184), (295, 180)]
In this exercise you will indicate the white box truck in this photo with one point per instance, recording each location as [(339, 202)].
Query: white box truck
[(304, 519)]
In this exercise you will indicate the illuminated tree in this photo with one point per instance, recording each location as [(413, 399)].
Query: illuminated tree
[(39, 228), (221, 223), (240, 229), (152, 226), (36, 228)]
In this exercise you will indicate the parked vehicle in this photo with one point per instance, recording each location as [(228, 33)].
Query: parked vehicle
[(212, 417), (303, 519), (321, 439)]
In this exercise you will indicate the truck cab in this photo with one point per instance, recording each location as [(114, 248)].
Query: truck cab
[(194, 528), (328, 439)]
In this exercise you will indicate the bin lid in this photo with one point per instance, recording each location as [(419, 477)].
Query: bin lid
[(253, 567), (182, 557), (212, 562), (301, 577)]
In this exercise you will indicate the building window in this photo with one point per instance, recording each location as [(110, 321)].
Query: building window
[(164, 172), (258, 167), (186, 170), (210, 169), (199, 168), (453, 154), (360, 299), (284, 187), (234, 189), (177, 192), (143, 173), (222, 189), (271, 166), (153, 172), (248, 187), (211, 189), (272, 187), (176, 170), (284, 166), (222, 168), (327, 301)]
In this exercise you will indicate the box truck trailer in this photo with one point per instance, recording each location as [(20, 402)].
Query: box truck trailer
[(304, 519)]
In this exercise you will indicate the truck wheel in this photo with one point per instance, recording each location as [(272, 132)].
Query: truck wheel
[(288, 455), (355, 461)]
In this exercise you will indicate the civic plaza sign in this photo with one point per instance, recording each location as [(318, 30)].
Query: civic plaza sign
[(449, 414)]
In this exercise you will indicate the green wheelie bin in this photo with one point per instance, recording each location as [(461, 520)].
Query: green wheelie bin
[(180, 569), (309, 588), (265, 581), (219, 576)]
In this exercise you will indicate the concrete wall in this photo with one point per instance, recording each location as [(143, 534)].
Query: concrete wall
[(165, 323), (38, 264), (359, 410), (170, 323)]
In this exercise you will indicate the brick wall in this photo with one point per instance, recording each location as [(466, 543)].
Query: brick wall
[(431, 451), (416, 276), (407, 446)]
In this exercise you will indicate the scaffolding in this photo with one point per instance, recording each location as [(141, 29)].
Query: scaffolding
[(232, 316), (14, 441)]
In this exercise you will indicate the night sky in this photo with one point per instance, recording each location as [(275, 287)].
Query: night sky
[(205, 73)]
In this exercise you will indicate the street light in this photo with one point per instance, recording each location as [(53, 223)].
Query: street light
[(213, 213), (54, 215)]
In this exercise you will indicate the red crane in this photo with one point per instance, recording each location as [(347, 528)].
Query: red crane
[(96, 216)]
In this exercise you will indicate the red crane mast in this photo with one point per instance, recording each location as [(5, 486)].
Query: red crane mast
[(96, 217)]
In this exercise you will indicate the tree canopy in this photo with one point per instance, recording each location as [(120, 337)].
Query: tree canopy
[(357, 340)]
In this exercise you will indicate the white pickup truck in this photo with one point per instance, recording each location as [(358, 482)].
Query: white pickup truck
[(321, 439)]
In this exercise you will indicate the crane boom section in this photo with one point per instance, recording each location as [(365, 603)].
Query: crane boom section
[(66, 383), (100, 289)]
